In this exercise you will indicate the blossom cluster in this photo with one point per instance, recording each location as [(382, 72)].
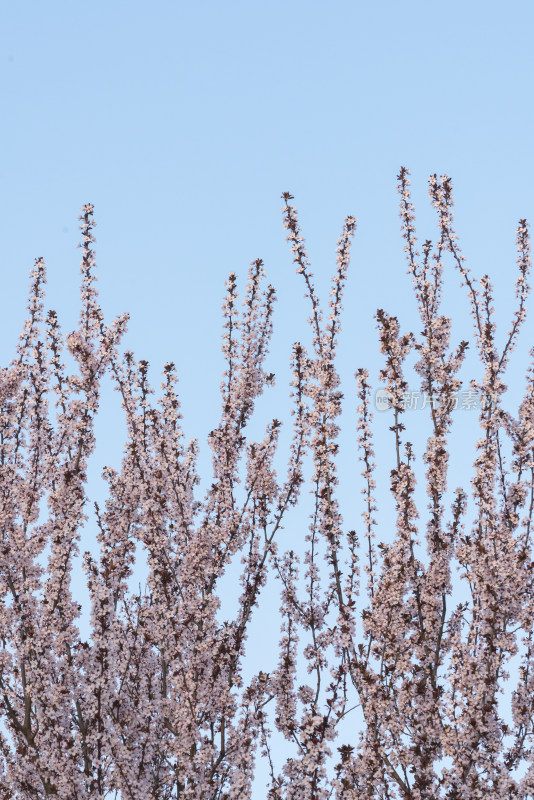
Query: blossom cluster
[(156, 702)]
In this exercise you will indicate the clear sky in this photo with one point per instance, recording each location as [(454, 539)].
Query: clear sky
[(184, 122)]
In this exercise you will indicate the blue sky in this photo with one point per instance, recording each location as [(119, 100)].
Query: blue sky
[(184, 122)]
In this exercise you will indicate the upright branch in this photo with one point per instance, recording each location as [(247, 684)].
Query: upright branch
[(325, 615)]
